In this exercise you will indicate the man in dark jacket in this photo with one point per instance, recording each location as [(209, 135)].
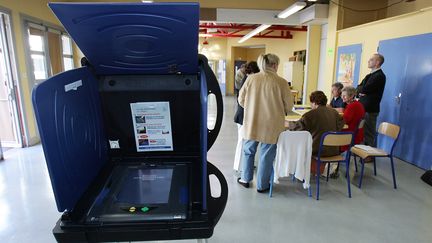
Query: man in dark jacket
[(370, 92)]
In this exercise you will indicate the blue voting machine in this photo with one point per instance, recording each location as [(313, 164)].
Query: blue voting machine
[(125, 136)]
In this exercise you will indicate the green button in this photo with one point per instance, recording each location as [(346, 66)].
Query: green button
[(145, 209)]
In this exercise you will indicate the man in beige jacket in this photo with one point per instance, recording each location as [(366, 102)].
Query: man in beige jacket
[(266, 99)]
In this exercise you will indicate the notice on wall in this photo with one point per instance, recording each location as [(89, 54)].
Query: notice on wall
[(152, 125)]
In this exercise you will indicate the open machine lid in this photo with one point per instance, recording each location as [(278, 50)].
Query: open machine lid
[(69, 117), (134, 38)]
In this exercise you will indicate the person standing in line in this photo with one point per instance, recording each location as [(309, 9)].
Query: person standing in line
[(240, 74), (266, 99), (370, 92), (251, 68)]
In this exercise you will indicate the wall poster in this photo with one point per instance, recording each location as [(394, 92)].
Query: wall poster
[(348, 64)]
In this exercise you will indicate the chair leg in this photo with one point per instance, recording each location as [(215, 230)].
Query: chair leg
[(328, 172), (374, 162), (271, 183), (310, 191), (317, 179), (362, 171), (393, 172), (355, 163), (348, 177)]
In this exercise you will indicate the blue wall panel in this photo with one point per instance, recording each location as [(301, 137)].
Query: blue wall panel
[(408, 68)]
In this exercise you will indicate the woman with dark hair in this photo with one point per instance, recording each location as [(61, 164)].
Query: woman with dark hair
[(251, 68), (319, 120)]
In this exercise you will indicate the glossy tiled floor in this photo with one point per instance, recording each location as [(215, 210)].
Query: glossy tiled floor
[(376, 213)]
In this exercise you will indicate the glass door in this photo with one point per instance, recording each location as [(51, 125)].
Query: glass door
[(10, 132)]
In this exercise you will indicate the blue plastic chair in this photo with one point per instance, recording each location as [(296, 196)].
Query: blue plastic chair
[(386, 129), (359, 126), (334, 139)]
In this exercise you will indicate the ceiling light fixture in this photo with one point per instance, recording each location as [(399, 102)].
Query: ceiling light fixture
[(297, 6), (294, 8), (254, 32)]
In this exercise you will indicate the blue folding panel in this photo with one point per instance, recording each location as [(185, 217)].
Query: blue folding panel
[(408, 68), (68, 112), (134, 38)]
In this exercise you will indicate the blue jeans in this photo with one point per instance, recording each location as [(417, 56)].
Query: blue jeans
[(265, 165)]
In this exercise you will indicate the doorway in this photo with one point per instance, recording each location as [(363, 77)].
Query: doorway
[(10, 123)]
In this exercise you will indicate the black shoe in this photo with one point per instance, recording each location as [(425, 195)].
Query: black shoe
[(244, 184), (264, 190), (334, 175)]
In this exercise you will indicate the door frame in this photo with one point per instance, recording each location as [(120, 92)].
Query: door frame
[(16, 103)]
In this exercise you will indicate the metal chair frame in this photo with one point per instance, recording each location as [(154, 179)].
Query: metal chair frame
[(346, 160), (389, 155)]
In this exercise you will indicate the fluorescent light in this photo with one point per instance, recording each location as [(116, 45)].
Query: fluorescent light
[(297, 6), (205, 35), (147, 1), (254, 32)]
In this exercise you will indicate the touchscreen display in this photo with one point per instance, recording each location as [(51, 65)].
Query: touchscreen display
[(146, 186)]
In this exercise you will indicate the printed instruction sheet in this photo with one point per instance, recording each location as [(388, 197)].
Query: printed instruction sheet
[(152, 125)]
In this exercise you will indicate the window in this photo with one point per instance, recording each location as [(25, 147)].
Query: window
[(37, 53), (67, 53), (50, 51)]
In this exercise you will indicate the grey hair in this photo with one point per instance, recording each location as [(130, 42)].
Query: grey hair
[(265, 61), (350, 91)]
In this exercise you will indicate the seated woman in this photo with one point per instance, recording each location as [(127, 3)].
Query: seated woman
[(337, 101), (354, 112), (317, 121)]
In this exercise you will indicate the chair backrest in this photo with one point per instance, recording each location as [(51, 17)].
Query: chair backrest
[(388, 129), (336, 138)]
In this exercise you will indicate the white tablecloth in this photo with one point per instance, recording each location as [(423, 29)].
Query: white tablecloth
[(293, 156)]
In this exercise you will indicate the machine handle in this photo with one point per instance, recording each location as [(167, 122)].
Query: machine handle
[(216, 206), (212, 88), (398, 98)]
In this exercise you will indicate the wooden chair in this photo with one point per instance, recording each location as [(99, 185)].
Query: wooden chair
[(334, 139), (386, 129)]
